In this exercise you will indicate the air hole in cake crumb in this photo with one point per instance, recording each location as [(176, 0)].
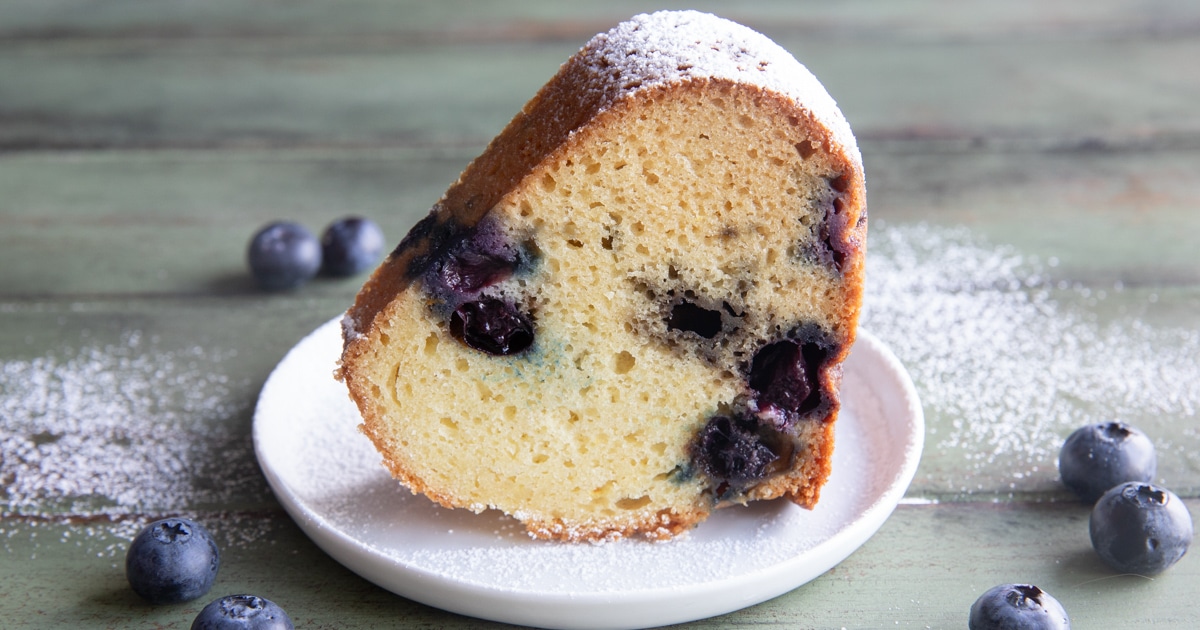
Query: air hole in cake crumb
[(806, 149), (651, 178), (624, 362), (549, 183), (540, 458), (633, 504), (607, 242), (690, 317), (431, 344), (840, 183), (462, 365), (575, 243), (449, 423)]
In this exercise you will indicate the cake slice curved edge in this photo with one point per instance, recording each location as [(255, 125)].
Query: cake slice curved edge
[(634, 306)]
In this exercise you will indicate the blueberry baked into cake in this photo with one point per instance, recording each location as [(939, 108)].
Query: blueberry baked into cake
[(634, 306)]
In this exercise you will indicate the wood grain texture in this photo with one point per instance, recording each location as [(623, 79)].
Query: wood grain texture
[(924, 568), (1055, 145), (178, 221), (145, 75)]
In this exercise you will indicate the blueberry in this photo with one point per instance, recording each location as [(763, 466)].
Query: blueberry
[(785, 376), (283, 255), (351, 245), (468, 271), (173, 560), (493, 326), (1097, 457), (466, 260), (242, 612), (733, 450), (1017, 607), (1140, 528)]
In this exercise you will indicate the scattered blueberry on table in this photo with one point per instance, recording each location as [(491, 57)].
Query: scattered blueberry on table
[(350, 246), (1140, 528), (1017, 607), (1100, 456), (283, 255), (172, 560), (242, 612)]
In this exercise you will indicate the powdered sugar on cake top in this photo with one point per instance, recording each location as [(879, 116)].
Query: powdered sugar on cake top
[(668, 47)]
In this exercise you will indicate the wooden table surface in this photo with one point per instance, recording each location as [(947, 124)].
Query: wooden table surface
[(1033, 171)]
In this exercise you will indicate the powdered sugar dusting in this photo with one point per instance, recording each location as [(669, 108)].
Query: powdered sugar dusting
[(1008, 362), (1005, 367), (121, 431), (330, 478), (668, 47)]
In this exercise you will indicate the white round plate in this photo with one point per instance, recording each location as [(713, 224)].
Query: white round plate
[(330, 479)]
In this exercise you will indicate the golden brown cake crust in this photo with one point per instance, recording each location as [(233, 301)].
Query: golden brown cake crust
[(635, 67), (608, 70)]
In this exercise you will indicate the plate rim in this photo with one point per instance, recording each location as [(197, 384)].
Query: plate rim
[(606, 609)]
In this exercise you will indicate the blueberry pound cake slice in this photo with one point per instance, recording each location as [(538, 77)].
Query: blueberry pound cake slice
[(634, 306)]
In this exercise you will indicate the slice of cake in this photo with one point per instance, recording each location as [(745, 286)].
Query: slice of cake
[(634, 306)]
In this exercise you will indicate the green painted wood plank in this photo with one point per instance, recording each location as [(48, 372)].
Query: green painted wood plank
[(952, 261), (1108, 216), (111, 410), (923, 569), (156, 223), (204, 93), (543, 18), (167, 388), (1032, 169)]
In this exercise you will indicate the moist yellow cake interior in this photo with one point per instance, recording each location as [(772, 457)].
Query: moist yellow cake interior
[(715, 192)]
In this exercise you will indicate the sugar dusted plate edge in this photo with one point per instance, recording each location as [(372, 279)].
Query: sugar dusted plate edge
[(330, 480)]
